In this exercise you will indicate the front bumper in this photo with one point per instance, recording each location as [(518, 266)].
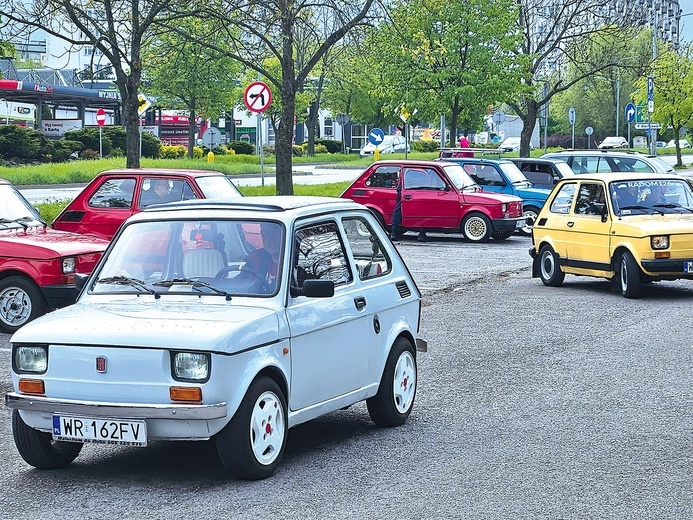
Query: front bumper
[(508, 224), (674, 266), (185, 412), (58, 296)]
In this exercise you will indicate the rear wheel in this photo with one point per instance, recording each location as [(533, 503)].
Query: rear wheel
[(629, 276), (252, 445), (39, 449), (530, 214), (20, 302), (477, 227), (549, 270)]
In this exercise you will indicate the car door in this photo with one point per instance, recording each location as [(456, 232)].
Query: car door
[(107, 207), (329, 336), (427, 200), (587, 233), (555, 221)]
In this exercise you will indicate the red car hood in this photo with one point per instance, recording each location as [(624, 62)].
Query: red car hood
[(40, 242)]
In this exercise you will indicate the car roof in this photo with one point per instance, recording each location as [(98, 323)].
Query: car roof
[(537, 160), (160, 171), (621, 176), (415, 162), (597, 151)]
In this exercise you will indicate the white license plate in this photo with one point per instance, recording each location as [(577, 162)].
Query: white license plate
[(520, 224), (100, 430), (688, 267)]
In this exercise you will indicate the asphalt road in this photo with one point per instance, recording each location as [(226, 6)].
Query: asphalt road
[(533, 402)]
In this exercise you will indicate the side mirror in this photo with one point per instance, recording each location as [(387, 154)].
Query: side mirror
[(314, 289)]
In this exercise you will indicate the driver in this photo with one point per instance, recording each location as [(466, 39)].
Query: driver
[(262, 263)]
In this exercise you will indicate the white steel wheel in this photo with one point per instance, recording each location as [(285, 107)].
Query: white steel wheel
[(530, 214), (267, 428), (404, 382), (477, 227)]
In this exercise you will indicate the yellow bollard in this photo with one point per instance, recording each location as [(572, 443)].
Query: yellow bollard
[(210, 157), (376, 154)]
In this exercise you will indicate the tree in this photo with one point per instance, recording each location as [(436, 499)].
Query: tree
[(183, 74), (283, 29), (115, 28), (554, 39)]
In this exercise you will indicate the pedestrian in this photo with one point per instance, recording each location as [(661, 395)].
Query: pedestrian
[(464, 143), (396, 228)]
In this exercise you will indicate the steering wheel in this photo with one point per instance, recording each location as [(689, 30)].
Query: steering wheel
[(259, 279)]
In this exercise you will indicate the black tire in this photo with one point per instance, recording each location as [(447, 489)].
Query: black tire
[(502, 235), (20, 302), (530, 213), (240, 446), (39, 449), (477, 227), (549, 271), (392, 404), (380, 219), (629, 276)]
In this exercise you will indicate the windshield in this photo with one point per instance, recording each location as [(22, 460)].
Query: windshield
[(459, 177), (15, 209), (564, 168), (652, 196), (218, 187), (661, 166), (514, 175), (215, 257)]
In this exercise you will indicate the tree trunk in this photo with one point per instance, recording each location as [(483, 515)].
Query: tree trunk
[(284, 136), (529, 121), (192, 128), (311, 123), (132, 124)]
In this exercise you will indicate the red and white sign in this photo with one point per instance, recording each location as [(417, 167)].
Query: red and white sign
[(257, 97), (100, 117)]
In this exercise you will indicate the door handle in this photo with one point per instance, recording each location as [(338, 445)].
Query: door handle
[(571, 224), (407, 197), (360, 302)]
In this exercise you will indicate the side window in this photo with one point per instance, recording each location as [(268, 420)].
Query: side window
[(487, 175), (371, 259), (415, 179), (436, 182), (641, 166), (180, 190), (384, 177), (319, 255), (564, 198), (114, 193), (590, 199)]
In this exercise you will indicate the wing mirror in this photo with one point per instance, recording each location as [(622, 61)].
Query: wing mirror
[(314, 289)]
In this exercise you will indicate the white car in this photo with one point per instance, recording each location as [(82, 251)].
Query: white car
[(683, 143), (512, 144), (613, 142), (226, 320), (390, 144)]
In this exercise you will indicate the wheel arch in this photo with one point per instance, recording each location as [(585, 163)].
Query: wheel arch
[(536, 259)]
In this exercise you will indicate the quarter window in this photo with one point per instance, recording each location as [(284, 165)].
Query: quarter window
[(384, 177), (369, 254), (114, 193)]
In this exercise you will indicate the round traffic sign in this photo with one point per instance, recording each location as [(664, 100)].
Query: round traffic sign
[(211, 138), (100, 117), (376, 136), (257, 97), (589, 130), (630, 112)]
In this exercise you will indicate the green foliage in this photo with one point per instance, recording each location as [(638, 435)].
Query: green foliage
[(21, 144), (320, 148), (60, 150), (330, 145), (151, 146), (425, 145), (89, 137), (297, 150), (197, 152), (117, 136), (174, 152), (241, 147)]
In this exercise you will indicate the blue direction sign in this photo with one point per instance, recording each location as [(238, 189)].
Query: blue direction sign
[(376, 136), (650, 88), (630, 112)]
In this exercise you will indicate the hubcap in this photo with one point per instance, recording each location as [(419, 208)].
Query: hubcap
[(530, 218), (404, 384), (267, 428), (475, 228), (624, 276), (547, 266), (15, 306)]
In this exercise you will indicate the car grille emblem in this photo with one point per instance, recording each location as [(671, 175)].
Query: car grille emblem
[(101, 365)]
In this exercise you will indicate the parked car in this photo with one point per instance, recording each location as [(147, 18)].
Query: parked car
[(630, 228), (436, 196), (232, 320), (542, 173), (503, 176), (613, 142), (511, 144), (600, 161), (38, 265), (661, 144), (113, 195), (390, 144), (683, 143)]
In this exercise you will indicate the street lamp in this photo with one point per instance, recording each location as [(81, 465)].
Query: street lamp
[(7, 111)]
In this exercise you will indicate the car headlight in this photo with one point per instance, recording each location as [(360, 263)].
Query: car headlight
[(30, 359), (190, 366), (69, 265), (660, 242)]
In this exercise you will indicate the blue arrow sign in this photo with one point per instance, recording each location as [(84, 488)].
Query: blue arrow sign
[(630, 112), (376, 136)]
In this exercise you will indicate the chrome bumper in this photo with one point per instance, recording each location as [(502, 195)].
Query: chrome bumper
[(35, 403)]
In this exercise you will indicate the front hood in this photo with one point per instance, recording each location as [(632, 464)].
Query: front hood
[(488, 197), (534, 193), (219, 326), (647, 225), (40, 239)]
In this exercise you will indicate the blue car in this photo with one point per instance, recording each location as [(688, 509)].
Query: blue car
[(503, 176)]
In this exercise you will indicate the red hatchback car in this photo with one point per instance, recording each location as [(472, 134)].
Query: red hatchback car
[(113, 195), (38, 265), (436, 196)]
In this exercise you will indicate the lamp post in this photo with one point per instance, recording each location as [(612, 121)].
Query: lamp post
[(7, 111)]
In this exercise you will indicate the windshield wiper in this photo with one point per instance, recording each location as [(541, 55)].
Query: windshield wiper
[(196, 284), (133, 282), (672, 206)]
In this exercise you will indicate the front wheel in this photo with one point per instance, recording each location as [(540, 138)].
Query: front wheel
[(20, 302), (549, 270), (39, 449), (530, 214), (629, 276), (392, 404), (477, 227), (252, 445)]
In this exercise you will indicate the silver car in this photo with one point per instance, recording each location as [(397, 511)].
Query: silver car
[(603, 161)]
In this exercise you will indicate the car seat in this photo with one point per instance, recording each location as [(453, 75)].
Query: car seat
[(202, 263)]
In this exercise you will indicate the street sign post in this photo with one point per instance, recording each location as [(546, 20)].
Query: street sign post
[(343, 119), (589, 131), (630, 117), (100, 120), (571, 119)]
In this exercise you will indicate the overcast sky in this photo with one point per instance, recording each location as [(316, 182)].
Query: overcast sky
[(686, 20)]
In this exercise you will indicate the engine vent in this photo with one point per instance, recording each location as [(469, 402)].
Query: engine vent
[(403, 289)]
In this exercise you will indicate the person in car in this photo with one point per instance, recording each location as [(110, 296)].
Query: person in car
[(262, 263), (158, 193), (656, 196)]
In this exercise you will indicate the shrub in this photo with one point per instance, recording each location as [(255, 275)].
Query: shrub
[(425, 146), (173, 152), (151, 146), (268, 149), (21, 144), (89, 137), (61, 150), (331, 145), (297, 150), (241, 147), (89, 154), (320, 148), (117, 136), (197, 152)]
